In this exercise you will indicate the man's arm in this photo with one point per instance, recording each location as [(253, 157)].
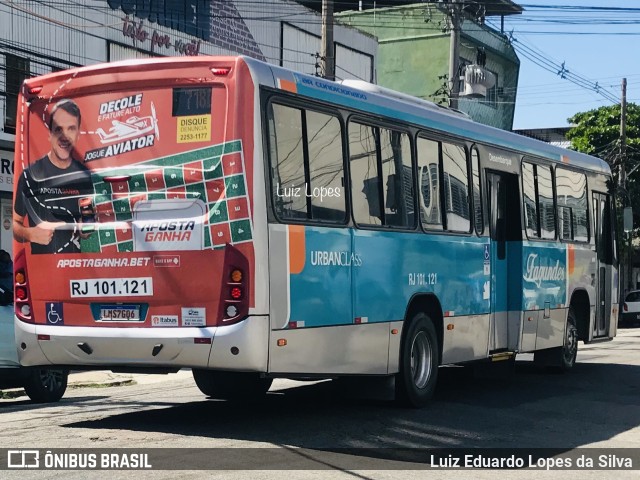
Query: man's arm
[(41, 233)]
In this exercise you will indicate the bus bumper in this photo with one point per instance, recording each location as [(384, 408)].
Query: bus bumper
[(183, 347)]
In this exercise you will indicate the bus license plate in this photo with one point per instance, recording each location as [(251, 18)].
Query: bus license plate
[(111, 287), (119, 313)]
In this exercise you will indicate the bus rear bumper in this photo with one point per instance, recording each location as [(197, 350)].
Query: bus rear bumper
[(243, 346)]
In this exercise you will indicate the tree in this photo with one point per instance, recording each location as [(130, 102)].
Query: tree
[(597, 132)]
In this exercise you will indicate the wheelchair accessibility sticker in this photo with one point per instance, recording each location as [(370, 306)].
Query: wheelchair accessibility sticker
[(54, 313)]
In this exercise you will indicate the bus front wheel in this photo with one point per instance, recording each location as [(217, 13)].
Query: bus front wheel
[(231, 385), (416, 380)]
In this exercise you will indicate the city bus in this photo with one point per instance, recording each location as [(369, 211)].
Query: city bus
[(251, 222)]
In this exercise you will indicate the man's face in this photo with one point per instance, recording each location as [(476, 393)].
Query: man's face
[(64, 133)]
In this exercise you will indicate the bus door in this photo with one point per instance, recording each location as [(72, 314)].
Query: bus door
[(602, 215), (504, 206)]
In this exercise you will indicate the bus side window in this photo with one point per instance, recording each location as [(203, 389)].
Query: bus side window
[(397, 175), (456, 187), (477, 192), (571, 194), (287, 160), (326, 168), (307, 165), (429, 181), (381, 176), (365, 180), (530, 201)]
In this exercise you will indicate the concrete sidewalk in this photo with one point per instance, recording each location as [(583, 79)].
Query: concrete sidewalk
[(106, 378)]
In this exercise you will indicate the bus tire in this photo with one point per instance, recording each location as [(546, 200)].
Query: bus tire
[(231, 385), (562, 359), (45, 385), (416, 380)]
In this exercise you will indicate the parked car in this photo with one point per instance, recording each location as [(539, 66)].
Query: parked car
[(630, 312), (42, 385)]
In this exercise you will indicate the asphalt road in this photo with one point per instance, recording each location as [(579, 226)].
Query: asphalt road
[(596, 406)]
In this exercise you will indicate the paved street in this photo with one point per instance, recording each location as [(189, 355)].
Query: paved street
[(597, 405)]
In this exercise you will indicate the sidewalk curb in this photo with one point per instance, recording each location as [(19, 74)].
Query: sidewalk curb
[(103, 384)]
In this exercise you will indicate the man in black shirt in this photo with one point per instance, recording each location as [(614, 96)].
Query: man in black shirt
[(49, 190)]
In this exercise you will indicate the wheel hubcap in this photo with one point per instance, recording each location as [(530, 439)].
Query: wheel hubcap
[(51, 379), (421, 359)]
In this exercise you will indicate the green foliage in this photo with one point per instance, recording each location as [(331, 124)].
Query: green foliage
[(597, 132)]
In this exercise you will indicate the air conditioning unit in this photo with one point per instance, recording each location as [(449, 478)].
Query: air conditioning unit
[(477, 80)]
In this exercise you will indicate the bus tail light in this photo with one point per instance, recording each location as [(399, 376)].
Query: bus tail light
[(220, 71), (234, 298), (22, 301)]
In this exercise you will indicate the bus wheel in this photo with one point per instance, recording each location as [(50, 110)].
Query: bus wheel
[(562, 358), (569, 351), (416, 380), (44, 385), (231, 385)]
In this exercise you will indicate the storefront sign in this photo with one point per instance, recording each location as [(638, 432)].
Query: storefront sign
[(6, 171), (158, 41)]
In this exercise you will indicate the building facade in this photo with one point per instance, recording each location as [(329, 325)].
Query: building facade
[(414, 51), (38, 37)]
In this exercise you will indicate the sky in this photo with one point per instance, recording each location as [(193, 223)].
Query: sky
[(600, 46)]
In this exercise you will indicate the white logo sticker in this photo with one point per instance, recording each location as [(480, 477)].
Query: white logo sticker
[(193, 316)]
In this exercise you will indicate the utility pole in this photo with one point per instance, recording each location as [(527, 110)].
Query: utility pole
[(327, 53), (623, 179), (454, 18), (623, 134)]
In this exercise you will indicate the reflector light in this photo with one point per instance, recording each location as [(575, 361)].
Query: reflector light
[(21, 293), (25, 310), (282, 342), (236, 276), (232, 311), (35, 90), (20, 278), (202, 340), (44, 337), (236, 293), (220, 71)]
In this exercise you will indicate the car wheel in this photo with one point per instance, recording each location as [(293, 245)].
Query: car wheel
[(46, 385)]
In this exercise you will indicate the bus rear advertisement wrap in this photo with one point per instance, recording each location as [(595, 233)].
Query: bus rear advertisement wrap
[(133, 207)]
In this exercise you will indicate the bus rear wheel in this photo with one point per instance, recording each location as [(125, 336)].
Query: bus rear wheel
[(418, 375), (45, 385), (562, 358), (231, 385)]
